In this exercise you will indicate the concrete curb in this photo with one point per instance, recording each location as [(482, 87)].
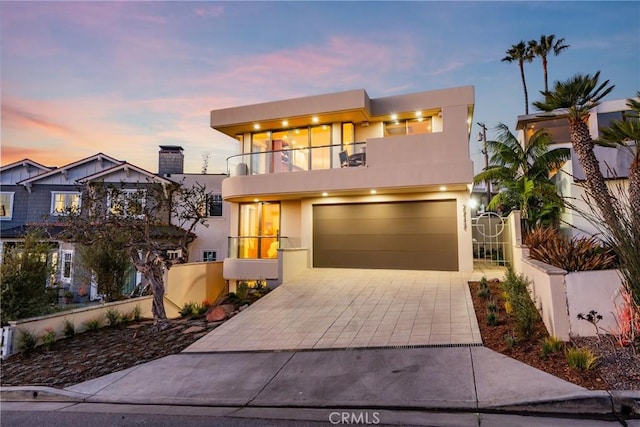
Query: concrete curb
[(39, 394), (623, 404)]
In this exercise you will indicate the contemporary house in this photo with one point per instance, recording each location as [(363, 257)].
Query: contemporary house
[(351, 181), (36, 195), (614, 162)]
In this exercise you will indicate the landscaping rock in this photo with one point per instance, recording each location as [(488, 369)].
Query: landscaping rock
[(219, 313), (193, 329)]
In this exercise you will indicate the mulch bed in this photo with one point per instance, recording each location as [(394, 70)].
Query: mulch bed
[(530, 351), (92, 354)]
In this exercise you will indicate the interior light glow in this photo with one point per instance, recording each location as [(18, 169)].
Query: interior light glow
[(394, 117), (473, 203), (285, 123), (256, 126), (373, 191), (256, 200), (325, 194), (443, 188), (418, 113), (315, 119)]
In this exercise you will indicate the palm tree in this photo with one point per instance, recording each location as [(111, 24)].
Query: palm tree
[(523, 172), (626, 134), (543, 48), (577, 96), (521, 53)]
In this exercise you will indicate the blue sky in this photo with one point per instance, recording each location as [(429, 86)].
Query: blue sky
[(123, 78)]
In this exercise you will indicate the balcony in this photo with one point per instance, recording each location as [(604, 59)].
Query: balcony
[(297, 159), (253, 257)]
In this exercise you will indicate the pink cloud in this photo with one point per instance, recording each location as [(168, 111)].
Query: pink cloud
[(210, 11)]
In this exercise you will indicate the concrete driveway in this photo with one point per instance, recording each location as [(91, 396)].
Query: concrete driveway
[(354, 308)]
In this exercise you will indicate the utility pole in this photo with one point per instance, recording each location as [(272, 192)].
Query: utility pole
[(483, 137)]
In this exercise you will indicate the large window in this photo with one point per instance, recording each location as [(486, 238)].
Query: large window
[(6, 205), (408, 127), (321, 152), (259, 230), (128, 203), (63, 202)]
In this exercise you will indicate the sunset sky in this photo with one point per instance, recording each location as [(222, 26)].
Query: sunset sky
[(122, 78)]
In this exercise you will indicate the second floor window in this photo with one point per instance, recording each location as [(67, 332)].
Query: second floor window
[(6, 205), (214, 204), (130, 203), (64, 202)]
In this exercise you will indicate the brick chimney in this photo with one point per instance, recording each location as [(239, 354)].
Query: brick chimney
[(170, 160)]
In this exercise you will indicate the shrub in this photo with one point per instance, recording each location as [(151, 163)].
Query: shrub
[(484, 292), (137, 312), (27, 340), (49, 337), (592, 317), (520, 304), (113, 317), (492, 306), (92, 324), (68, 329), (492, 318), (581, 358), (571, 254), (511, 340), (242, 291), (551, 345), (187, 309)]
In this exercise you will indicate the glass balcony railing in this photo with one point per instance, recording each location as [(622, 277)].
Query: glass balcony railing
[(297, 159), (256, 247)]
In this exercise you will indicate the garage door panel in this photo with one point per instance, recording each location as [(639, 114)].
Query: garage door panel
[(404, 242), (402, 235), (384, 226), (392, 260)]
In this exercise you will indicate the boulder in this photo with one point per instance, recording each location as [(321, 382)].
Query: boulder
[(220, 312)]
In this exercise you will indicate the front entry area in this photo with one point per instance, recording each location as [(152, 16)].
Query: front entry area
[(416, 235)]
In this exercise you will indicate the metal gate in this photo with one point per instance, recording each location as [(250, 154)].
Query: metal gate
[(490, 238)]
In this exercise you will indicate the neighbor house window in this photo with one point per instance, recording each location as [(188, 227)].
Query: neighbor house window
[(63, 202), (214, 204), (6, 205), (128, 203), (208, 255), (66, 267)]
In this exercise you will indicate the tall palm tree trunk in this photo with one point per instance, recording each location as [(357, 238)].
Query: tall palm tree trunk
[(524, 86), (634, 189), (583, 146), (546, 77)]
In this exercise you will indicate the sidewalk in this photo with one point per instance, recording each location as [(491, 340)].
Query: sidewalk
[(386, 379)]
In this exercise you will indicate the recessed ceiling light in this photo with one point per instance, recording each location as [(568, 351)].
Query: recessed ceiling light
[(314, 119), (256, 126), (285, 123), (394, 117), (256, 200), (418, 113), (325, 194), (373, 191), (443, 188)]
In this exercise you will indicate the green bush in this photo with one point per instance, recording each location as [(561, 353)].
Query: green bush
[(49, 337), (511, 340), (492, 318), (92, 324), (581, 358), (551, 345), (242, 291), (520, 304), (68, 329), (23, 279), (113, 317), (27, 340), (137, 312)]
